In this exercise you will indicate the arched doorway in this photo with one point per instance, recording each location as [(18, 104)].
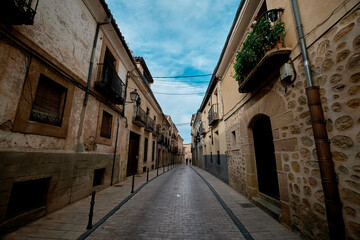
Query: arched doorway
[(265, 157)]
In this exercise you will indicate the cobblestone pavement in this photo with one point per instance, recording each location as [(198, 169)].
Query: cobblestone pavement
[(176, 205)]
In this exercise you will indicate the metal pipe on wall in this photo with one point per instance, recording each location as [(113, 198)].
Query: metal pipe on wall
[(328, 177)]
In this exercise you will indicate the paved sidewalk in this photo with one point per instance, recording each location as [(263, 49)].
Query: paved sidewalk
[(259, 224), (70, 222)]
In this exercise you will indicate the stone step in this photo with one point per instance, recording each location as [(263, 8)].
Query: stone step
[(268, 207)]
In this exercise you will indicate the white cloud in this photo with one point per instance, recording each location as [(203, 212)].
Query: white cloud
[(176, 37)]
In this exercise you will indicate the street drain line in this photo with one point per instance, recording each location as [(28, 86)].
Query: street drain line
[(101, 221), (241, 227)]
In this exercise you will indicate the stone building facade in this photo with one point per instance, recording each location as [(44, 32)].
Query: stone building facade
[(268, 127), (197, 140), (66, 116)]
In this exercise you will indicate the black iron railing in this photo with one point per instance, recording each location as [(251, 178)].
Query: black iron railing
[(139, 116), (17, 12), (161, 139), (213, 114), (110, 84), (202, 128), (158, 129), (150, 124)]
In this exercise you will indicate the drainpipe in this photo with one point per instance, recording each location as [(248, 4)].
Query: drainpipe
[(328, 177), (116, 141), (92, 59)]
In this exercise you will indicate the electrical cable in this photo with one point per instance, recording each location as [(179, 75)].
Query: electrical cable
[(174, 94), (190, 76)]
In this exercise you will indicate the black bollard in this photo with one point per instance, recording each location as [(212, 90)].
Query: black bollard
[(157, 171), (133, 183), (92, 203), (163, 169), (147, 175)]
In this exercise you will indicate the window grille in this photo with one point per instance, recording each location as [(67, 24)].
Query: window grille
[(49, 102), (106, 125)]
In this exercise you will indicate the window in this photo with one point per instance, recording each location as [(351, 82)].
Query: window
[(144, 169), (153, 152), (145, 149), (98, 177), (26, 196), (108, 66), (49, 102), (106, 125), (233, 137), (45, 103)]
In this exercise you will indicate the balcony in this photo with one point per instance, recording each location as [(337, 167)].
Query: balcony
[(149, 125), (18, 12), (213, 114), (157, 129), (202, 129), (161, 139), (110, 85), (262, 53), (139, 116)]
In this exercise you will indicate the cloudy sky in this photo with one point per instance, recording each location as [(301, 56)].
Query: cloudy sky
[(176, 38)]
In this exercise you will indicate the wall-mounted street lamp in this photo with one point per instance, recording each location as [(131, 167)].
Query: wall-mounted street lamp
[(134, 96)]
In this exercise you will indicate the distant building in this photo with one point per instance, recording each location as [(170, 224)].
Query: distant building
[(188, 154)]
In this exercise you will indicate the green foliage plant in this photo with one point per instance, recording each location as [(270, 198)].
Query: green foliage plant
[(260, 39)]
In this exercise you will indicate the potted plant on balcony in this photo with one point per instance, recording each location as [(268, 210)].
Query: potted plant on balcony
[(249, 55), (277, 34)]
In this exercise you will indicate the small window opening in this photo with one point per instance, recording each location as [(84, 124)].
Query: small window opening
[(144, 169), (98, 177), (26, 196), (49, 102), (106, 125), (233, 137)]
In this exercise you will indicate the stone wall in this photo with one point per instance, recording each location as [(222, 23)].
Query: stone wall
[(335, 64), (218, 170), (71, 178)]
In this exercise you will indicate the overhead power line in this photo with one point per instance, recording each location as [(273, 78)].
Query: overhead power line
[(179, 93), (191, 76), (182, 124)]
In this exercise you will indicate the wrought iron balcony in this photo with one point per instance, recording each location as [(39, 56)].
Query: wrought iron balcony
[(213, 114), (17, 12), (139, 116), (157, 129), (202, 129), (266, 45), (149, 125), (110, 85), (161, 139)]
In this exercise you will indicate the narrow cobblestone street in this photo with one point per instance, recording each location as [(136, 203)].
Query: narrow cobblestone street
[(179, 205), (175, 205)]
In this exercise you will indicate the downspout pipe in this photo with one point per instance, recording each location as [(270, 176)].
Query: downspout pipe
[(114, 158), (328, 176), (86, 99)]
